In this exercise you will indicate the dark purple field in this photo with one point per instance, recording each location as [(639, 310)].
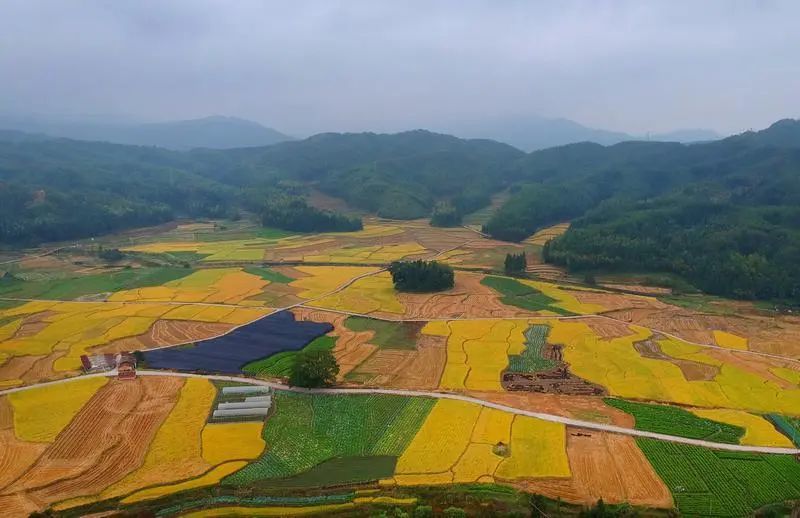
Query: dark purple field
[(228, 354)]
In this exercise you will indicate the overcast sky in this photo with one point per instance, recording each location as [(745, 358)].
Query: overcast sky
[(304, 67)]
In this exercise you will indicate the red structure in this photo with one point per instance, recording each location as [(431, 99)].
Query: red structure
[(124, 362), (126, 366)]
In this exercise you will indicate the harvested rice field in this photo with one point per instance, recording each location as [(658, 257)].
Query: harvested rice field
[(209, 306)]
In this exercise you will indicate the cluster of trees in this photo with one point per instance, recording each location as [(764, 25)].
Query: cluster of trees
[(515, 264), (294, 213), (720, 247), (445, 215), (421, 276)]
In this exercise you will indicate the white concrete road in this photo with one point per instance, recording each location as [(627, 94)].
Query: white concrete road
[(577, 423)]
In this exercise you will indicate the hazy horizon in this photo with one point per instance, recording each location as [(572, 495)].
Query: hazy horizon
[(376, 66)]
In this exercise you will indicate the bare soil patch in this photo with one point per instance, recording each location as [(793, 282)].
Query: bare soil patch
[(692, 371), (167, 332), (467, 299), (607, 466), (351, 349), (773, 335), (106, 440), (587, 408), (426, 366)]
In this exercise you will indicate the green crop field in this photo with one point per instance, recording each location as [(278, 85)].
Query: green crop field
[(516, 294), (790, 426), (281, 364), (269, 275), (72, 287), (307, 430), (389, 335), (531, 359), (704, 482), (676, 421), (339, 471)]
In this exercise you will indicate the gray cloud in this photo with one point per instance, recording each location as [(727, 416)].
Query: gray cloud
[(308, 66)]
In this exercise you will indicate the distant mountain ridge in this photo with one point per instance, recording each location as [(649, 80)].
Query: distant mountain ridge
[(535, 133), (215, 132)]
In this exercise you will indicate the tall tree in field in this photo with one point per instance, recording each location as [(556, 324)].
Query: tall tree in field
[(314, 369), (516, 264)]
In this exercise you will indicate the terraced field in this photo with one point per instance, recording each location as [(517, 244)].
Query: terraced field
[(250, 299)]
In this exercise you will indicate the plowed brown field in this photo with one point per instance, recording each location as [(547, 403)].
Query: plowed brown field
[(106, 440), (587, 408), (167, 332), (351, 348), (426, 366), (15, 455), (607, 466), (773, 335), (468, 299)]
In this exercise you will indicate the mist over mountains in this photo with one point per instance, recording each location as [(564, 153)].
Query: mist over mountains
[(214, 132), (532, 133), (219, 132)]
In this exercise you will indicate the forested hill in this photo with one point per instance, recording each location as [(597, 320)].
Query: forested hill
[(58, 189), (394, 175), (725, 215)]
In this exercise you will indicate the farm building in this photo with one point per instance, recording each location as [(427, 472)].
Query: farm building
[(248, 401), (99, 362), (124, 362), (246, 389), (126, 366)]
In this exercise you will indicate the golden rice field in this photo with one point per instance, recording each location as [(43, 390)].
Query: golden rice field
[(758, 431), (69, 329), (546, 234), (41, 413), (184, 452), (457, 442), (163, 443), (615, 364), (371, 294), (212, 285)]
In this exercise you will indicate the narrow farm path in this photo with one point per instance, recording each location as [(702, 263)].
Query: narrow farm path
[(43, 254), (577, 423)]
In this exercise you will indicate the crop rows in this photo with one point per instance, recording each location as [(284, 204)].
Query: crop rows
[(788, 425), (307, 430), (676, 421), (532, 359), (704, 482)]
